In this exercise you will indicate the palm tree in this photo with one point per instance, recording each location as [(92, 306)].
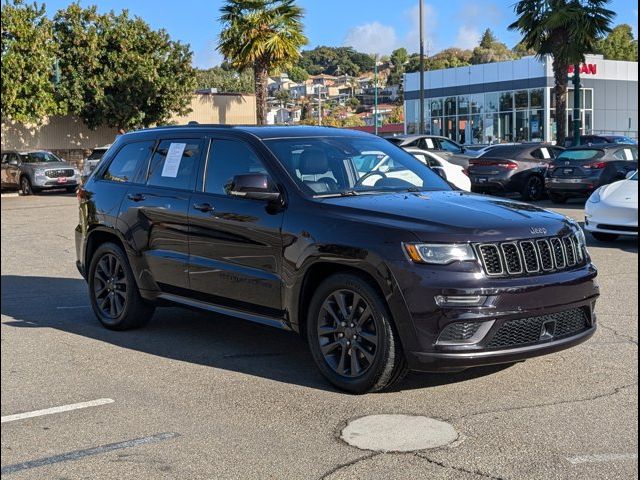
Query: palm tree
[(566, 30), (262, 35)]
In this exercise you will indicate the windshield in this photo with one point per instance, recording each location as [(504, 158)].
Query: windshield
[(328, 166), (586, 154), (39, 157)]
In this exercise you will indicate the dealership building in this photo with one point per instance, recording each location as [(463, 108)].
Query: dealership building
[(513, 101)]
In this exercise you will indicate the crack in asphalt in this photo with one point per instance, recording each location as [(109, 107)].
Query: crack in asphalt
[(618, 334), (337, 468), (457, 469), (560, 402)]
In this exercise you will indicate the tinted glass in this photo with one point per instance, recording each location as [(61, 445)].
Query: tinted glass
[(96, 155), (228, 158), (334, 166), (449, 146), (124, 165), (174, 164), (586, 154), (39, 157)]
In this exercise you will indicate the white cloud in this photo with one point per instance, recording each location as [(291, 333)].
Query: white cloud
[(372, 38), (208, 56), (468, 37), (378, 38)]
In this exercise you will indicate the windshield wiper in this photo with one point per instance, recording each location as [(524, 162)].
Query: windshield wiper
[(347, 193)]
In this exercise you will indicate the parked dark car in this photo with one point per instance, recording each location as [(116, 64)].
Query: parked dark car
[(601, 139), (519, 168), (431, 142), (37, 170), (381, 272), (578, 171)]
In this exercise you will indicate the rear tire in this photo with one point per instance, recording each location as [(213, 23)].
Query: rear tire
[(533, 189), (114, 295), (351, 336), (557, 198), (605, 237)]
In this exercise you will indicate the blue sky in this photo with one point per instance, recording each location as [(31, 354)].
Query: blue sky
[(373, 26)]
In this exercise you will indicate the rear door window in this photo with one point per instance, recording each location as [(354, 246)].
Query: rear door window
[(175, 163), (126, 162)]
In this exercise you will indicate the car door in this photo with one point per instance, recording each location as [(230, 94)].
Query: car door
[(156, 211), (235, 243), (10, 169)]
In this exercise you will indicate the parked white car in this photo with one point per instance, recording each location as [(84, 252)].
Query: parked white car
[(612, 210), (451, 172)]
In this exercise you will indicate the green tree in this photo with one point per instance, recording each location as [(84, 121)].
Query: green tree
[(396, 115), (225, 80), (353, 103), (619, 44), (283, 96), (118, 72), (262, 35), (297, 74), (490, 50), (520, 50), (449, 58), (567, 30), (334, 60), (28, 59), (398, 59)]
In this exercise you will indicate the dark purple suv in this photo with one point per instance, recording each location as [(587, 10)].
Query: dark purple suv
[(382, 270)]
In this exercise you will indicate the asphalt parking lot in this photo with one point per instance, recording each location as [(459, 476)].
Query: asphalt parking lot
[(198, 396)]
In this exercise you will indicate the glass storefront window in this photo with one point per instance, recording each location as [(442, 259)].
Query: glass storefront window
[(491, 101), (506, 101), (536, 98), (436, 107), (476, 129), (476, 103), (536, 125), (522, 126), (522, 99), (436, 126), (450, 106), (463, 105), (449, 129), (464, 130)]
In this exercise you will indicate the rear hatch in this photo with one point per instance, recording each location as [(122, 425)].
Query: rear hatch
[(579, 163), (490, 167)]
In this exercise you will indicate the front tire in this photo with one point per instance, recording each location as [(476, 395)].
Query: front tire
[(533, 189), (351, 336), (25, 186), (605, 237), (115, 298)]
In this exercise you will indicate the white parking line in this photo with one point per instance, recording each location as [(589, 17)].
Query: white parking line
[(602, 457), (74, 306), (49, 411)]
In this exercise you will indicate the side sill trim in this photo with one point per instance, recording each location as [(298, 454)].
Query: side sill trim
[(252, 317)]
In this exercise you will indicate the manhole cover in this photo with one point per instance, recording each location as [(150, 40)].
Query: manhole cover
[(397, 433)]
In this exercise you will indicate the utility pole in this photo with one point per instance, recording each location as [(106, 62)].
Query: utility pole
[(421, 127), (576, 105), (375, 93), (319, 88)]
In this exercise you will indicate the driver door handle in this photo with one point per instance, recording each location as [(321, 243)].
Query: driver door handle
[(203, 207), (136, 197)]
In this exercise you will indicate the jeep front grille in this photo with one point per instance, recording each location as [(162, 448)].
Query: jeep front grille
[(530, 257)]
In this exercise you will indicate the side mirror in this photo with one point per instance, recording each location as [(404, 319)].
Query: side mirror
[(256, 186), (14, 162), (630, 174)]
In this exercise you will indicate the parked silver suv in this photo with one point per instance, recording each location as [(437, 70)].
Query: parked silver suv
[(37, 170)]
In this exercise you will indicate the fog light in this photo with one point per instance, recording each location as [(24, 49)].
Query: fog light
[(460, 300)]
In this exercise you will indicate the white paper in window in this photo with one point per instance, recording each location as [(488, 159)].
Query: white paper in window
[(545, 153), (429, 143), (627, 154), (173, 159)]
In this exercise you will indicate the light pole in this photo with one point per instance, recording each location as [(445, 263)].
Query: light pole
[(375, 93), (421, 110)]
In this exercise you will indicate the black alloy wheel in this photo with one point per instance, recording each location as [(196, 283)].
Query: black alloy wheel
[(110, 286), (115, 297), (347, 333), (533, 189), (351, 335)]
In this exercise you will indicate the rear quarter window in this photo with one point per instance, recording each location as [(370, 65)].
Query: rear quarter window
[(586, 154)]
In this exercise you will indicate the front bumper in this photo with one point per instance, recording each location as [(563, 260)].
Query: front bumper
[(54, 183), (509, 299)]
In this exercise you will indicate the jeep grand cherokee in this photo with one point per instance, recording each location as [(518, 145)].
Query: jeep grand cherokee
[(381, 271)]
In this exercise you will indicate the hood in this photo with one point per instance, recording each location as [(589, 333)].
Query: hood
[(452, 216), (50, 165), (624, 192)]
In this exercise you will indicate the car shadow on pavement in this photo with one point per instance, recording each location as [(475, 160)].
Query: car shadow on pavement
[(190, 336)]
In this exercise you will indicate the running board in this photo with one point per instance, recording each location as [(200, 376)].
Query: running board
[(252, 317)]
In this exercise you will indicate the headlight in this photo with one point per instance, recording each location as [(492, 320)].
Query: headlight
[(76, 172), (595, 196), (39, 173), (440, 254)]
